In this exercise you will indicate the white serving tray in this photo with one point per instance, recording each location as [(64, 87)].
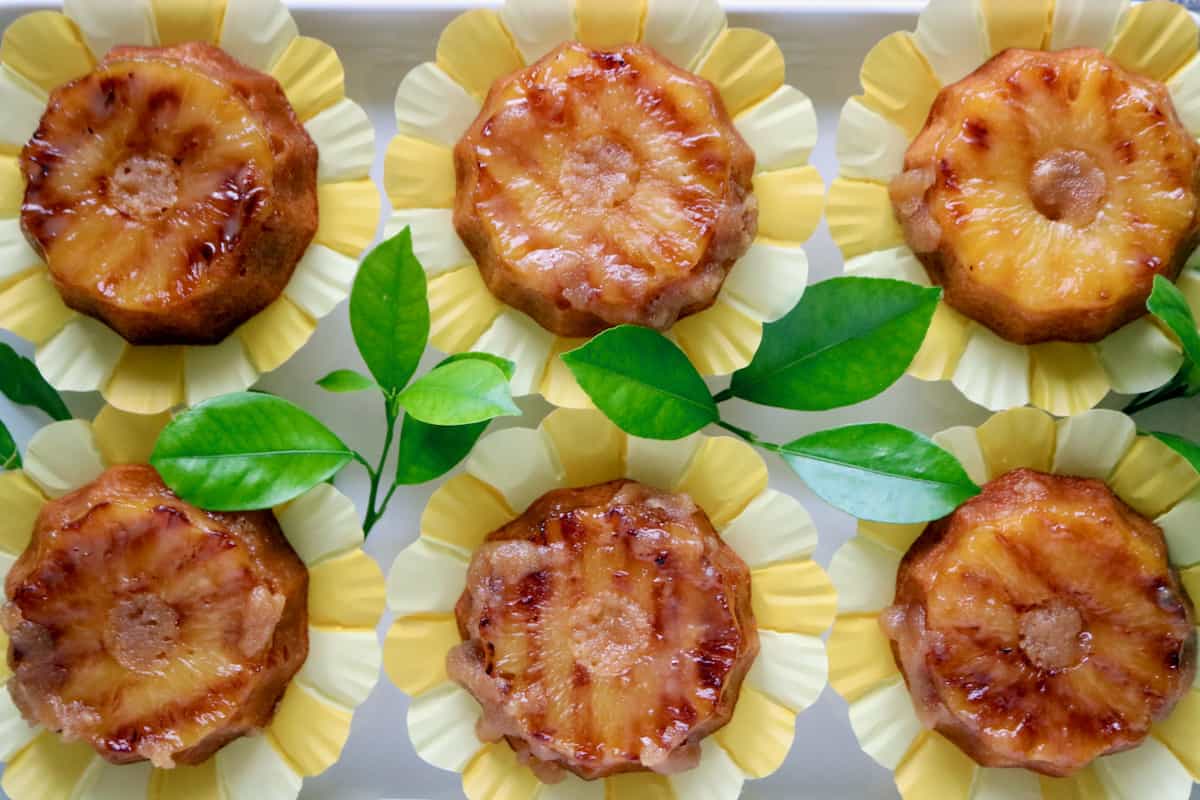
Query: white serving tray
[(824, 42)]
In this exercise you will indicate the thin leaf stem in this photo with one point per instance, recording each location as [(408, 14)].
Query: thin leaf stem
[(375, 511), (1177, 388), (748, 436), (723, 395)]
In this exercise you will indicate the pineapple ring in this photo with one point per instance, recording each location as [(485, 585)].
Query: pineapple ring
[(1045, 604), (150, 629), (171, 191), (1047, 190), (607, 630), (597, 188)]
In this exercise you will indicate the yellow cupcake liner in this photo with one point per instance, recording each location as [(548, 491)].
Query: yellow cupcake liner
[(45, 49), (439, 100), (792, 597), (901, 76), (311, 724), (1145, 473)]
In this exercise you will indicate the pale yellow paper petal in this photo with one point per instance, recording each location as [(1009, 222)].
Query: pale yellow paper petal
[(522, 341), (32, 308), (1024, 24), (62, 457), (745, 65), (105, 25), (81, 357), (345, 142), (1178, 731), (495, 774), (793, 597), (608, 23), (23, 104), (720, 339), (1006, 784), (760, 733), (769, 280), (22, 501), (864, 573), (952, 37), (418, 173), (182, 21), (15, 732), (104, 781), (1066, 378), (321, 280), (16, 256), (6, 564), (773, 528), (276, 334), (682, 30), (1085, 23), (435, 241), (559, 386), (1155, 39), (349, 215), (431, 106), (537, 26), (1019, 438), (426, 578), (1189, 284), (1180, 526), (660, 463), (310, 731), (572, 788), (791, 668), (897, 537), (935, 770), (342, 666), (790, 202), (1152, 477), (460, 309), (860, 656), (441, 726), (1184, 86), (46, 49), (885, 723), (1139, 357), (898, 82), (1148, 770), (1083, 785), (186, 783), (642, 785), (1091, 444), (723, 477), (12, 187), (475, 50), (861, 219), (346, 591), (589, 448), (963, 444), (869, 146), (716, 777), (781, 130), (257, 32), (5, 672), (942, 351), (462, 511), (898, 264), (519, 463), (47, 768), (216, 370), (251, 768), (311, 75), (414, 652), (125, 438), (992, 372)]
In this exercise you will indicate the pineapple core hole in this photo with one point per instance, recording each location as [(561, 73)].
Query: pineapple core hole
[(1068, 186), (610, 633), (1053, 638), (142, 631), (599, 173), (144, 185)]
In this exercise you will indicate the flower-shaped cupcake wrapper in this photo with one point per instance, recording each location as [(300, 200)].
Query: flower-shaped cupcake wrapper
[(312, 721), (901, 77), (1148, 475), (792, 599), (46, 49), (438, 101)]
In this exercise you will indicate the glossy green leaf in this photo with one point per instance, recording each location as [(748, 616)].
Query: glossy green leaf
[(1186, 448), (346, 380), (507, 367), (10, 456), (881, 473), (643, 382), (460, 393), (845, 342), (21, 382), (1169, 305), (389, 312), (246, 451)]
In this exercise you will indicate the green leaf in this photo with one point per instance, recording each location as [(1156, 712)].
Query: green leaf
[(1169, 305), (21, 382), (845, 342), (1188, 449), (10, 456), (389, 312), (643, 382), (346, 380), (507, 367), (246, 451), (881, 473), (460, 393)]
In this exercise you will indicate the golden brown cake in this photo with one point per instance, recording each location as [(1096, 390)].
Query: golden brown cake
[(597, 188), (150, 629), (1041, 626), (1046, 192), (607, 629), (171, 191)]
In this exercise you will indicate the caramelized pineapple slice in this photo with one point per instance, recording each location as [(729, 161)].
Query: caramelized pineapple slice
[(1041, 626), (150, 629), (607, 629)]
